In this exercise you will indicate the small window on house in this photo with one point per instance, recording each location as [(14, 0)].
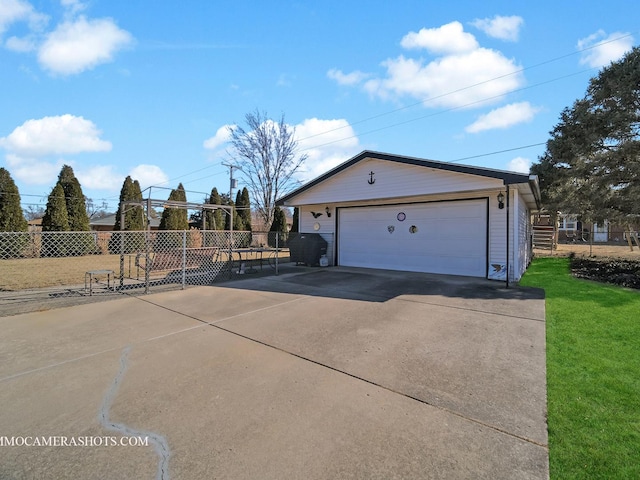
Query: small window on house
[(568, 223)]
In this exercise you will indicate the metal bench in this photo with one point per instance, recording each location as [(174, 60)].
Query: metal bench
[(171, 260)]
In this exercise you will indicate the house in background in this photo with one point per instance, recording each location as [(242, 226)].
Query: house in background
[(379, 210), (106, 223), (34, 225), (571, 229), (103, 224)]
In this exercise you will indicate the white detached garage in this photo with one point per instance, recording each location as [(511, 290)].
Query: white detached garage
[(385, 211)]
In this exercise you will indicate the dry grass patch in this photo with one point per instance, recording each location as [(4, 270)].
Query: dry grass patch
[(30, 273), (585, 250), (26, 273)]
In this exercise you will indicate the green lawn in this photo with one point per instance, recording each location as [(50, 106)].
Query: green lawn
[(593, 374)]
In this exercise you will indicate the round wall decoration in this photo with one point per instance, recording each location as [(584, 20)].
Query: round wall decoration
[(413, 229), (391, 228), (316, 226), (401, 217)]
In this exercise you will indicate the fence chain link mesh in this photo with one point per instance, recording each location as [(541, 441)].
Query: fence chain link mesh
[(138, 259), (38, 269)]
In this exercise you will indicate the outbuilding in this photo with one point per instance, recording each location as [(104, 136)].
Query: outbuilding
[(379, 210)]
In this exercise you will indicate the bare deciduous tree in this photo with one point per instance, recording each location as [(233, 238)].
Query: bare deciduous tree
[(267, 153)]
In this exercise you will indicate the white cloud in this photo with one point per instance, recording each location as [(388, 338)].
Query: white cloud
[(75, 46), (504, 117), (285, 80), (33, 171), (451, 81), (222, 136), (31, 146), (327, 144), (12, 11), (100, 177), (352, 78), (55, 135), (21, 45), (519, 164), (462, 73), (600, 49), (503, 28), (449, 38), (73, 6), (148, 175)]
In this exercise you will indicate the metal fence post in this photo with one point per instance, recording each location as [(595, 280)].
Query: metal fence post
[(146, 261), (121, 253), (277, 252), (184, 257)]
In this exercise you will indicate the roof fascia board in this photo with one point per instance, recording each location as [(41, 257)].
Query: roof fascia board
[(507, 177)]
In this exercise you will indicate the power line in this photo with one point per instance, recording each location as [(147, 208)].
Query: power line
[(437, 97), (441, 112), (190, 173), (497, 152), (421, 102), (430, 99)]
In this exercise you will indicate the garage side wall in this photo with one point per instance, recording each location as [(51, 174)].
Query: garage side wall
[(523, 222), (497, 239), (519, 237)]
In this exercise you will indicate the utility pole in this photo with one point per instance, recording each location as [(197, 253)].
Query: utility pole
[(233, 183)]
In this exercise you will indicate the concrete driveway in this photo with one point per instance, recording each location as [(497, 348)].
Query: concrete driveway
[(330, 373)]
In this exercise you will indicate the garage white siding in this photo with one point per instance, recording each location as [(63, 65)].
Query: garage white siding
[(459, 227), (391, 179), (448, 237)]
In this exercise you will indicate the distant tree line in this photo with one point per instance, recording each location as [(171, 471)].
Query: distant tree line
[(66, 208), (269, 158)]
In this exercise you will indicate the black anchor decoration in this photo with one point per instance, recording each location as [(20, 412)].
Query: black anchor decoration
[(371, 180)]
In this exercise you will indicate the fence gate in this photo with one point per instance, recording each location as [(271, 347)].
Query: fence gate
[(544, 237)]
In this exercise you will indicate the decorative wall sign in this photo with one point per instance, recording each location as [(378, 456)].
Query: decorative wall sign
[(498, 271), (413, 229), (371, 180), (391, 228), (401, 217), (316, 226)]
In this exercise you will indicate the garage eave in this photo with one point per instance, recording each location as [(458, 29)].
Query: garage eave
[(508, 178)]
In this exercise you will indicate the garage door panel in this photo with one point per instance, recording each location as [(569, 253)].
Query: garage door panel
[(449, 237)]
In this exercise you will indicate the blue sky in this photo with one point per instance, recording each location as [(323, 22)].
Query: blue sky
[(148, 89)]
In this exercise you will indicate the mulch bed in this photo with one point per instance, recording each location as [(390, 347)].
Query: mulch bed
[(625, 273)]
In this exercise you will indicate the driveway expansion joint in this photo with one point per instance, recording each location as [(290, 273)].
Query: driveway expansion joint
[(214, 324)]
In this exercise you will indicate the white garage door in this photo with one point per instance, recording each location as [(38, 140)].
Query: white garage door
[(437, 237)]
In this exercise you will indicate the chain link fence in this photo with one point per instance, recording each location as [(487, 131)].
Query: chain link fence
[(139, 259), (54, 264)]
